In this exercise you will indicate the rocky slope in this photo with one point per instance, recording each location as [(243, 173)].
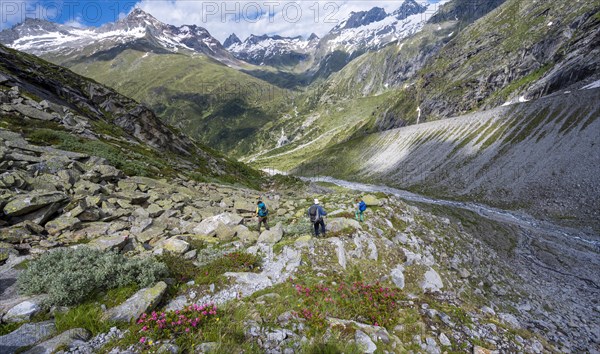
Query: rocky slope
[(538, 156), (53, 106), (444, 280), (181, 73)]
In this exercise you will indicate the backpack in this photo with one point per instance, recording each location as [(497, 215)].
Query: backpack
[(313, 213), (262, 210), (362, 206)]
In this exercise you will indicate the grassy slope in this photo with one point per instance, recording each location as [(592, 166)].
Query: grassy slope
[(211, 102)]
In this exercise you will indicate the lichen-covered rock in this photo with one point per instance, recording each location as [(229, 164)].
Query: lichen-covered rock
[(142, 301), (272, 236), (225, 233), (26, 203), (339, 224), (175, 245), (26, 335), (63, 222), (64, 339), (210, 225), (371, 200), (112, 243)]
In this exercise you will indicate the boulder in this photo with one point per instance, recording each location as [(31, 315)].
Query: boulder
[(209, 225), (432, 282), (64, 339), (225, 233), (63, 222), (339, 224), (26, 335), (142, 301), (397, 276), (364, 342), (109, 243), (371, 200), (15, 234), (244, 206), (272, 236), (175, 245), (26, 203), (154, 210), (24, 310), (245, 235), (40, 216)]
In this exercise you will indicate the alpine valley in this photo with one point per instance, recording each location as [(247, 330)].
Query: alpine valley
[(133, 155)]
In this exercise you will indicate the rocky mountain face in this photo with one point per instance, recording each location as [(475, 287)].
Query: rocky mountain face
[(139, 30), (55, 106), (479, 157), (542, 50), (273, 51), (122, 54)]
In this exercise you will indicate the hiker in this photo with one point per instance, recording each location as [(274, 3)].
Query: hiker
[(316, 214), (361, 206), (263, 214)]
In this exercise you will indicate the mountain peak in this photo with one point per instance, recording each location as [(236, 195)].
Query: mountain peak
[(363, 18), (409, 8), (231, 40), (313, 36), (140, 17)]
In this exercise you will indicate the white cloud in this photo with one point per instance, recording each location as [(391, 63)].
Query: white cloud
[(286, 18), (77, 22)]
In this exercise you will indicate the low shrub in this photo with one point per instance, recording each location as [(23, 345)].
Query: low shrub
[(173, 324), (69, 276), (367, 303)]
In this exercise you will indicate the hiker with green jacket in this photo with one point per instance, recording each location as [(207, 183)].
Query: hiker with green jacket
[(316, 214), (263, 214), (361, 206)]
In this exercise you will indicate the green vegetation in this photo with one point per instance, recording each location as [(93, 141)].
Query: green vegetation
[(211, 102), (184, 270), (70, 276)]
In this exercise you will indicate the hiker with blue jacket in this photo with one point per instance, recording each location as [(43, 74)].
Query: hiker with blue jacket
[(316, 214), (361, 206), (263, 214)]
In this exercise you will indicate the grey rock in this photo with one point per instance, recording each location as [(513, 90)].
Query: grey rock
[(113, 243), (272, 236), (24, 310), (209, 226), (364, 342), (63, 222), (142, 301), (26, 335), (339, 224), (26, 203), (432, 282), (64, 339), (224, 233), (444, 340), (397, 275), (175, 245)]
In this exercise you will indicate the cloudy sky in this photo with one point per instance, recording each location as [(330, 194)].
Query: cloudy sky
[(221, 18)]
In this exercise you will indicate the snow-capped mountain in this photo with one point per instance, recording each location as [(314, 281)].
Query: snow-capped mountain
[(272, 50), (368, 30), (139, 30)]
